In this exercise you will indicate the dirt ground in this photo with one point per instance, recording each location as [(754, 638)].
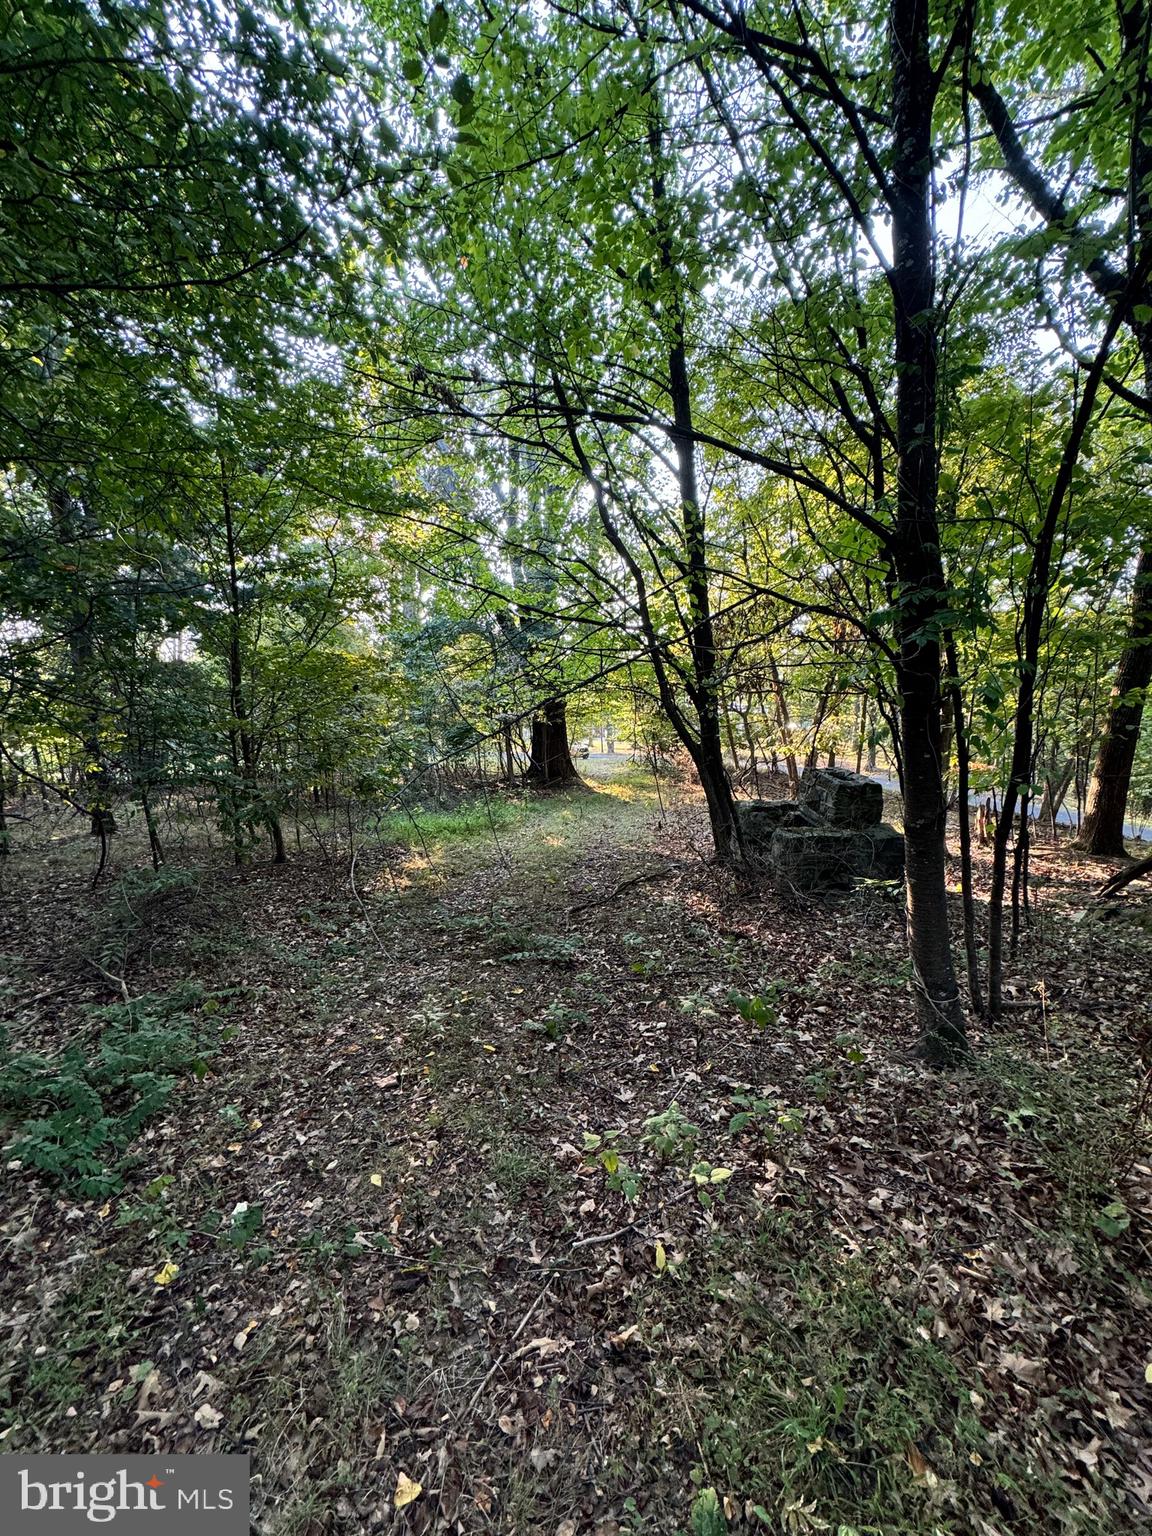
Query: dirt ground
[(532, 1175)]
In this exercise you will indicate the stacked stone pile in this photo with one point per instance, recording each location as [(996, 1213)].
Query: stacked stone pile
[(831, 835)]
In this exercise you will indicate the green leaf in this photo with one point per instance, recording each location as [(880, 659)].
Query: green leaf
[(438, 25), (1113, 1219)]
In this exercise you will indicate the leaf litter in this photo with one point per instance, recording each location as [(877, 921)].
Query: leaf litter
[(470, 1288)]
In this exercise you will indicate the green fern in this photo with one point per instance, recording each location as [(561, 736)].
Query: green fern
[(74, 1115)]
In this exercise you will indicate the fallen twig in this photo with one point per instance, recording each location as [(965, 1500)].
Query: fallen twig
[(583, 1242), (116, 981), (625, 885)]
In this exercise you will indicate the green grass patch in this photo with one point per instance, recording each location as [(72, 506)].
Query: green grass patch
[(813, 1387), (839, 1407), (482, 816), (462, 823), (1073, 1117), (93, 1331)]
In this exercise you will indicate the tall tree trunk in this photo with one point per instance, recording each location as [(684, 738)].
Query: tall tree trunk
[(818, 724), (704, 682), (1129, 289), (753, 757), (550, 761), (97, 779), (155, 847), (1102, 831), (1037, 587), (730, 732), (1056, 786), (4, 846), (915, 543)]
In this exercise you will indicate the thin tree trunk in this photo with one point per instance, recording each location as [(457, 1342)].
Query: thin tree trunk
[(1037, 588), (1127, 288), (963, 772), (916, 539), (750, 739), (731, 735), (97, 779), (155, 847), (784, 722), (5, 849)]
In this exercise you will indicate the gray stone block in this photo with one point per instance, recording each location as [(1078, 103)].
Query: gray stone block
[(840, 798), (812, 858), (880, 853), (760, 820)]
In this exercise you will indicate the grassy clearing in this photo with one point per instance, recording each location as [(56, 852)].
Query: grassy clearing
[(485, 817)]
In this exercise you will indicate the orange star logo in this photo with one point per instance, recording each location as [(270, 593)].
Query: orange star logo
[(154, 1482)]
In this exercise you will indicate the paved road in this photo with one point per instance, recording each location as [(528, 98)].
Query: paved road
[(1065, 817)]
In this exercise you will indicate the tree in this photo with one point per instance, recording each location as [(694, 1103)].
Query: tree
[(1100, 222)]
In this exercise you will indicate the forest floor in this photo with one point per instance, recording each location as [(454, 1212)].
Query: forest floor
[(535, 1162)]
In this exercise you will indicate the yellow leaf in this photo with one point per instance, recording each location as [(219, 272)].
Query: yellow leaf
[(1148, 1372), (407, 1491), (166, 1273), (377, 1179), (661, 1256), (491, 1048), (720, 1174)]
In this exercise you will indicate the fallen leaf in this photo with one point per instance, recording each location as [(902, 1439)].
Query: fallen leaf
[(166, 1273), (208, 1417), (545, 1348), (1021, 1366), (407, 1491)]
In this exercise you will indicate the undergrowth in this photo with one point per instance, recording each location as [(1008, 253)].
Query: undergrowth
[(1075, 1118), (74, 1114), (473, 818)]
